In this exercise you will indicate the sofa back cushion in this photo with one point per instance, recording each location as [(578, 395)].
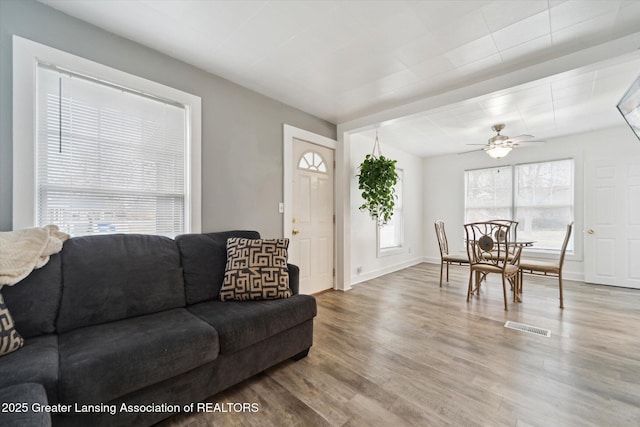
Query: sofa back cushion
[(113, 277), (204, 258), (33, 302)]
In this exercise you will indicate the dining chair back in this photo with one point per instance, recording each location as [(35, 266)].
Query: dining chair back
[(513, 231), (548, 268), (445, 257), (489, 251)]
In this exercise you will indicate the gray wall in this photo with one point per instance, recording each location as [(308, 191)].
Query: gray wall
[(241, 129)]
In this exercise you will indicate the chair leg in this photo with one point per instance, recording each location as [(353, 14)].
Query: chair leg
[(441, 267), (560, 285), (504, 293), (448, 263), (515, 284), (469, 287)]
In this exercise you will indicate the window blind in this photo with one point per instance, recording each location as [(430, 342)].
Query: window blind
[(537, 195), (544, 202), (488, 194), (108, 160)]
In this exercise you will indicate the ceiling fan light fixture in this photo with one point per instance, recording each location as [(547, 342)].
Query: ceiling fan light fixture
[(498, 152), (498, 139)]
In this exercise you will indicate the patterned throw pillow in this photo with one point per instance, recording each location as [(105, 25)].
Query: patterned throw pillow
[(10, 339), (256, 270)]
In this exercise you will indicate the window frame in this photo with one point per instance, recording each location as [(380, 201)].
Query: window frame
[(313, 167), (542, 252), (26, 56)]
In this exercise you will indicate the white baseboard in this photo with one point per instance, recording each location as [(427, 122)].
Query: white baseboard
[(567, 275), (386, 270)]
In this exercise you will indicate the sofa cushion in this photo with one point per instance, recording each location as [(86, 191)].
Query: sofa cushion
[(113, 277), (30, 395), (204, 258), (102, 362), (243, 323), (36, 362), (256, 270), (35, 299), (10, 339)]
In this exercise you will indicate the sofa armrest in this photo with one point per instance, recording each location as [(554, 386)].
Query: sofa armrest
[(294, 278), (23, 398)]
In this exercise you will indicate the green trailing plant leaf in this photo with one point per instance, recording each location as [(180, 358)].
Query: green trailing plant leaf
[(377, 180)]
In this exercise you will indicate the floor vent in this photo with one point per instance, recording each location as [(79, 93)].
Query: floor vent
[(528, 329)]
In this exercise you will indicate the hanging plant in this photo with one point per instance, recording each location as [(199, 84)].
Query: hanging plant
[(377, 179)]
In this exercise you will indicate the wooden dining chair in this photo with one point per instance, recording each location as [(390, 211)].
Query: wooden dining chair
[(445, 257), (548, 268), (489, 251)]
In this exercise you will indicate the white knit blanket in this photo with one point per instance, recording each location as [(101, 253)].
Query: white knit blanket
[(23, 251)]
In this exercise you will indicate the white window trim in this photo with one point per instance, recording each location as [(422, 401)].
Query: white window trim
[(26, 55), (397, 250)]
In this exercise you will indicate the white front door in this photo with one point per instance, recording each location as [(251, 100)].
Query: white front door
[(612, 222), (312, 232)]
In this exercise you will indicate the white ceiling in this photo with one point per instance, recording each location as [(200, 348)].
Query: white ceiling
[(347, 60)]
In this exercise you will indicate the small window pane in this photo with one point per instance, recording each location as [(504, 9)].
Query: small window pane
[(312, 161)]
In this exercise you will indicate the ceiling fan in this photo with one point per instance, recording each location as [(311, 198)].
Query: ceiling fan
[(499, 145)]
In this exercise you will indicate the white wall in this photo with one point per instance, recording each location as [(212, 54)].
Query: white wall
[(444, 184), (363, 228)]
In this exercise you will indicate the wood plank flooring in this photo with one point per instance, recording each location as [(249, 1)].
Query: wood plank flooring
[(400, 351)]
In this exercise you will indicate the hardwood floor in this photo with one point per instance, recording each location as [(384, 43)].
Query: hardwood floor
[(398, 350)]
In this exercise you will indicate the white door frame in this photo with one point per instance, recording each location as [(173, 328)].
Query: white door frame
[(291, 132)]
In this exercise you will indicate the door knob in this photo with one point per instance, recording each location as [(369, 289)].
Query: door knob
[(294, 231), (590, 231)]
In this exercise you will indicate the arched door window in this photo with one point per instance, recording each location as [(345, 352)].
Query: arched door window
[(312, 161)]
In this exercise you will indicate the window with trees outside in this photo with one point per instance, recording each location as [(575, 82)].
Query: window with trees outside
[(540, 196)]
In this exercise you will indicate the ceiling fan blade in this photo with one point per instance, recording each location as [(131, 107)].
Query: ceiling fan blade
[(478, 144), (526, 143), (479, 149), (521, 138)]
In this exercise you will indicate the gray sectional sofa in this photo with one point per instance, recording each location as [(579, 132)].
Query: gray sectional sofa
[(135, 319)]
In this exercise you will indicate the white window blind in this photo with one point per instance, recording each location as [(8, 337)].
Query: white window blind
[(108, 160), (543, 202), (537, 195), (488, 194)]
